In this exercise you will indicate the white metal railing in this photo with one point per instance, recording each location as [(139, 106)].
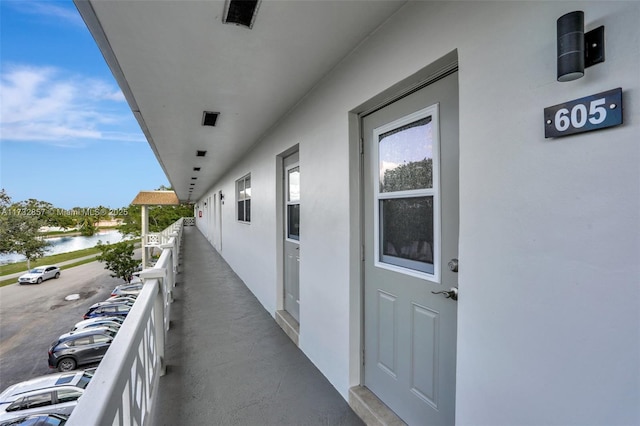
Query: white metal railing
[(124, 387), (157, 240)]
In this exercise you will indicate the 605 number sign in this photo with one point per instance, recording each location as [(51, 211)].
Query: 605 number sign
[(583, 115)]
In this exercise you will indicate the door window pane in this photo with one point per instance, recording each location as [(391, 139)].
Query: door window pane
[(293, 203), (294, 184), (293, 221), (406, 232), (406, 157)]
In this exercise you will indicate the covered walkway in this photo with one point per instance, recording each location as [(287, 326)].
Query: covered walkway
[(229, 363)]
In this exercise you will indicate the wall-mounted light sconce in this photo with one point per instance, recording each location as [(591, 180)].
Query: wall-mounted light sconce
[(577, 50)]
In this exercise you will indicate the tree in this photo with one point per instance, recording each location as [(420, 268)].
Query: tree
[(19, 230), (118, 258), (87, 226)]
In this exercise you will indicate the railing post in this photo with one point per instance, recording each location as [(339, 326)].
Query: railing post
[(160, 315)]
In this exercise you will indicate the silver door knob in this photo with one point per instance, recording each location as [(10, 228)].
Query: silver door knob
[(453, 265), (451, 294)]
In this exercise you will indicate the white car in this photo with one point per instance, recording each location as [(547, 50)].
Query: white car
[(53, 393), (97, 322), (39, 274)]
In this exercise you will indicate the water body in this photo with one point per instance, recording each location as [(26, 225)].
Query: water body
[(67, 244)]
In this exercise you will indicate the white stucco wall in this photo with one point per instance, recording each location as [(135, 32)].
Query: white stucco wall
[(549, 309)]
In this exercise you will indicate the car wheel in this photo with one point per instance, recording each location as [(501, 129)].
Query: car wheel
[(57, 275), (39, 281), (67, 364)]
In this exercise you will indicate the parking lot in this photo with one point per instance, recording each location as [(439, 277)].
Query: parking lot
[(33, 316)]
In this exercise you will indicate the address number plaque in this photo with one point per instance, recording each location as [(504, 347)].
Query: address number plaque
[(584, 115)]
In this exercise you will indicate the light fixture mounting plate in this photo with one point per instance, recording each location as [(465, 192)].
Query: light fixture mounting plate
[(594, 46)]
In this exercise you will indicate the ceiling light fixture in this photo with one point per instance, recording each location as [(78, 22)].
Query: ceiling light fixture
[(209, 118), (241, 12), (201, 153), (196, 169)]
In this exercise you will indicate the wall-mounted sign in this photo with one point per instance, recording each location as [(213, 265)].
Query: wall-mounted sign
[(584, 115)]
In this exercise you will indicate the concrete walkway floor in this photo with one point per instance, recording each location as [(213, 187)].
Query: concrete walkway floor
[(229, 363)]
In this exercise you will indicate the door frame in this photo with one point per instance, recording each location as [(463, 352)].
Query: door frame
[(359, 396), (284, 320)]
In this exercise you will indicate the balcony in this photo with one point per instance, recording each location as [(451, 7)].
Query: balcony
[(198, 348)]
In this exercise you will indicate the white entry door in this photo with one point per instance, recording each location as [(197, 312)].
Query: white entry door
[(411, 250), (292, 236)]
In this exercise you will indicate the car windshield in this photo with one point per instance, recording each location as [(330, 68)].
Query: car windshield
[(37, 271)]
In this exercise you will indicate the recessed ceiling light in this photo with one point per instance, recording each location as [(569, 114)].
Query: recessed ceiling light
[(209, 118), (196, 169), (194, 178), (201, 153)]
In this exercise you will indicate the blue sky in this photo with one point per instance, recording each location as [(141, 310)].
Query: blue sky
[(67, 135)]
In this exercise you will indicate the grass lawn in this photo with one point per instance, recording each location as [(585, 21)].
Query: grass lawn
[(13, 268)]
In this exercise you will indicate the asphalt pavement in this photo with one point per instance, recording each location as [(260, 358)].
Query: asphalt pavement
[(33, 316)]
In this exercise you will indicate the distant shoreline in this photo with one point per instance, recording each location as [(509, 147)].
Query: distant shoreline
[(75, 233)]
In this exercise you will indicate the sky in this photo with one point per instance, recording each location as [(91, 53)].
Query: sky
[(67, 134)]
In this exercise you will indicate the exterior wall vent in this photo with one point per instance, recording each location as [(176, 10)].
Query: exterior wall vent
[(240, 12), (209, 118), (201, 153)]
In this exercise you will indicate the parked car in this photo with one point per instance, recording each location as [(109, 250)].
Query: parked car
[(116, 319), (53, 393), (127, 289), (39, 274), (97, 322), (113, 328), (108, 309), (129, 300), (81, 347), (38, 420)]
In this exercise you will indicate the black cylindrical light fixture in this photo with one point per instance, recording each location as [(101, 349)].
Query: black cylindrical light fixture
[(571, 46)]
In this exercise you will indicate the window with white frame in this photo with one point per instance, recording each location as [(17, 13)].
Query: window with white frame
[(407, 192), (243, 197), (293, 203)]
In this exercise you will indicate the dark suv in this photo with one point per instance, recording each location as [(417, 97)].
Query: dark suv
[(82, 347)]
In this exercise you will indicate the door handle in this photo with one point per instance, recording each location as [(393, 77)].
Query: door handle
[(451, 294)]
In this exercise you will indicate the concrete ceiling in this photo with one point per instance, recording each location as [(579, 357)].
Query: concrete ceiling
[(175, 59)]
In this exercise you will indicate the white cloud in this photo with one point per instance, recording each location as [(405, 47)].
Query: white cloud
[(48, 105)]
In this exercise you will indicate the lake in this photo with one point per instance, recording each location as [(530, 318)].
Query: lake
[(67, 244)]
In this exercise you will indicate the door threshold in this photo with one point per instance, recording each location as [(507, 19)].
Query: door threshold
[(370, 409), (289, 325)]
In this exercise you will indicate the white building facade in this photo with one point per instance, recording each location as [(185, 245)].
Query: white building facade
[(548, 318)]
